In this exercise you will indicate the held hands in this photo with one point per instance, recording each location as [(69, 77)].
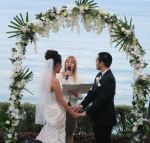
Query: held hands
[(78, 111)]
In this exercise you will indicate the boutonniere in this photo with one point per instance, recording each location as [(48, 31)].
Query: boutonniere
[(98, 81)]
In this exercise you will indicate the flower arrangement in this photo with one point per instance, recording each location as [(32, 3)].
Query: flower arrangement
[(94, 19)]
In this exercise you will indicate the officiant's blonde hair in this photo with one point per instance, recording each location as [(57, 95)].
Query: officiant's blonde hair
[(74, 73)]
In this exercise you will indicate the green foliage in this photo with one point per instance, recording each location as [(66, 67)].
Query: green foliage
[(84, 125), (123, 37), (26, 75), (17, 24), (27, 124), (3, 115), (91, 4)]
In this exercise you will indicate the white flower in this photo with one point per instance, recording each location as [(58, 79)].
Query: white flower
[(128, 32), (13, 75), (15, 92), (13, 97), (105, 17), (98, 79), (135, 124), (86, 7), (17, 63), (18, 55), (9, 136), (17, 69), (11, 108), (134, 129), (99, 84), (15, 123), (65, 13), (123, 29), (11, 103), (13, 114), (81, 8), (7, 122), (38, 24), (25, 29), (21, 84)]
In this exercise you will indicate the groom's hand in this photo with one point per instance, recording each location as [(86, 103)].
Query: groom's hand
[(77, 108), (79, 115)]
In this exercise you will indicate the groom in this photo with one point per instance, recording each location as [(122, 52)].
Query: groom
[(102, 111)]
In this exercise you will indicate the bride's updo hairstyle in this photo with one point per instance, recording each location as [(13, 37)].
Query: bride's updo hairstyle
[(52, 54)]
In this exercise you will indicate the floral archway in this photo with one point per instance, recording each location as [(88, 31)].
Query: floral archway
[(93, 19)]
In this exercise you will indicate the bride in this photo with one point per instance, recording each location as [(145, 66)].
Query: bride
[(51, 109)]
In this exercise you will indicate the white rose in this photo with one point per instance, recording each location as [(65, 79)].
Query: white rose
[(17, 63), (128, 32), (13, 97), (21, 84), (13, 75), (11, 103), (97, 79), (64, 13), (17, 69), (9, 136), (105, 17), (123, 29), (18, 55), (15, 92), (81, 8), (7, 122), (58, 11), (135, 124), (11, 108), (86, 7), (38, 23), (15, 123), (16, 111), (25, 29), (134, 129)]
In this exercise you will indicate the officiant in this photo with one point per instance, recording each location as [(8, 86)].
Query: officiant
[(70, 76)]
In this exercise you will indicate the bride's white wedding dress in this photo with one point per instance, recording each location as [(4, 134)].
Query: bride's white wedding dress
[(54, 129)]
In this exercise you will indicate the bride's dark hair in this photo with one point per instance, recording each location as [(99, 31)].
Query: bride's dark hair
[(52, 54)]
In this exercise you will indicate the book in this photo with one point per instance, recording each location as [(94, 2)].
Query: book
[(81, 88)]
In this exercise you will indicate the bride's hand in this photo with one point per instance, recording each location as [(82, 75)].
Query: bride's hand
[(78, 115)]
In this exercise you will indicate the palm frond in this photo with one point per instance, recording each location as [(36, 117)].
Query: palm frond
[(28, 91), (89, 3), (17, 24), (26, 75), (27, 17)]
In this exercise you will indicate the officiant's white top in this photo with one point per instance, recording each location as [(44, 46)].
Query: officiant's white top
[(70, 80)]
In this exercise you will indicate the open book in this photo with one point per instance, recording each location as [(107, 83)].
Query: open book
[(81, 88)]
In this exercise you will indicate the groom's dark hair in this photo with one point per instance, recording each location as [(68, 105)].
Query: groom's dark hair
[(106, 58)]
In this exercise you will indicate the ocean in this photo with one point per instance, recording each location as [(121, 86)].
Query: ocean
[(84, 45)]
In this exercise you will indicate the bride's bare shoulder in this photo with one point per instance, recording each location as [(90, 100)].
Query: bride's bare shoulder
[(55, 81)]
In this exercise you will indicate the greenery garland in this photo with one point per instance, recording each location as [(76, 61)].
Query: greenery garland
[(93, 19)]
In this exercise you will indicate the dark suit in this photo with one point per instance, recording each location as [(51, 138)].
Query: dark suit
[(102, 111), (149, 111)]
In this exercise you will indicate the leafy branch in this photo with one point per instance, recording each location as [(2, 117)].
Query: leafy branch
[(91, 4), (17, 25), (123, 33)]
